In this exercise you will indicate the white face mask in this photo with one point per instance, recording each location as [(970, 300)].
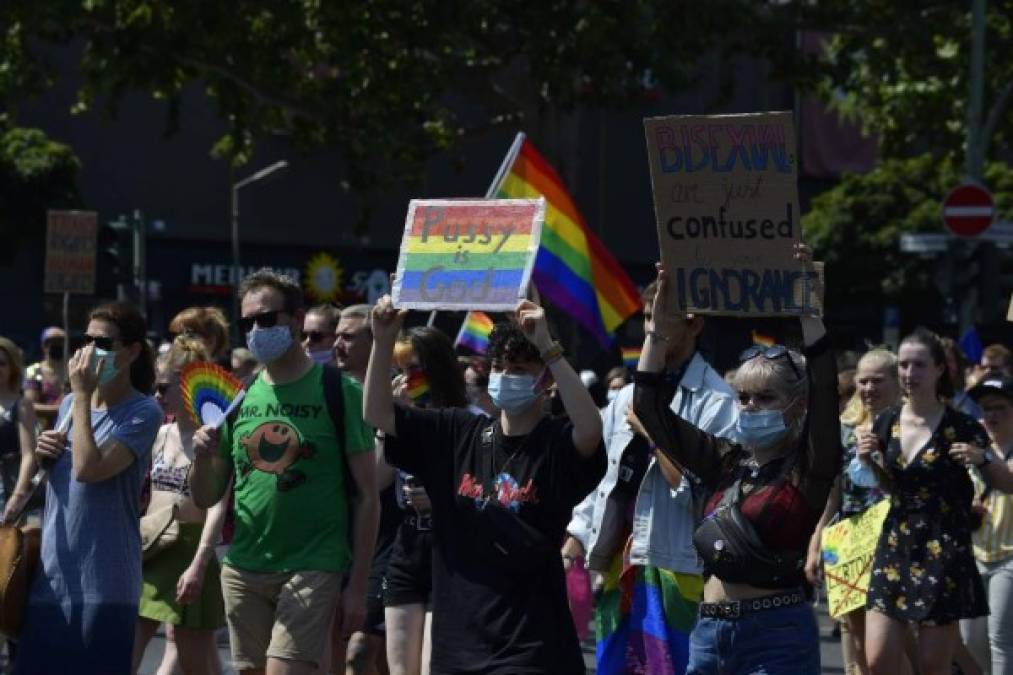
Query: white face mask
[(321, 356)]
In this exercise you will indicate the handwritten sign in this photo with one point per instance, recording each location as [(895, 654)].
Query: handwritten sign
[(848, 549), (726, 203), (468, 253), (70, 252)]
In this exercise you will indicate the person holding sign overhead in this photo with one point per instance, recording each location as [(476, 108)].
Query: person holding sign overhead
[(769, 489), (501, 492)]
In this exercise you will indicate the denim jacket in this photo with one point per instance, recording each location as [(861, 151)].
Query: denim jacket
[(663, 518)]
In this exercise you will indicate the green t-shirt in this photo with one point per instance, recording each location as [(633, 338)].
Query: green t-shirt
[(291, 503)]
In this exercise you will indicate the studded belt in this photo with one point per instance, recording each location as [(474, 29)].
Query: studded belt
[(420, 523), (733, 609)]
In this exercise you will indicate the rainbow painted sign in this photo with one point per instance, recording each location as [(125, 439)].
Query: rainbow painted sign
[(467, 253)]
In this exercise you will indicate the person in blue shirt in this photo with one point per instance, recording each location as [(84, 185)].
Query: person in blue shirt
[(82, 606), (636, 526)]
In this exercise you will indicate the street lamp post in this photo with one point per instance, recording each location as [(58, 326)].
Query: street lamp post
[(236, 187)]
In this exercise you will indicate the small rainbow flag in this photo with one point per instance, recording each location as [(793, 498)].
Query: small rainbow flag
[(763, 339), (573, 268), (631, 356), (474, 333), (417, 384)]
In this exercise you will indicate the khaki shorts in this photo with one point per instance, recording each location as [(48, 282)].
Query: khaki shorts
[(282, 615)]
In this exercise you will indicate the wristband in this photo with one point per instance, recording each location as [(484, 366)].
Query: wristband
[(552, 354)]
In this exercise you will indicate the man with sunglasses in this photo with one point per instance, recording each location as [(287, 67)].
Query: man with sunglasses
[(283, 575), (318, 333), (661, 547)]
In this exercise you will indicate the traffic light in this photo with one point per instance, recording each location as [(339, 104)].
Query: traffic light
[(116, 258)]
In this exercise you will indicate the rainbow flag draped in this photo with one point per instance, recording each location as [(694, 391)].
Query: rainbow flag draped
[(573, 269), (474, 333), (644, 617)]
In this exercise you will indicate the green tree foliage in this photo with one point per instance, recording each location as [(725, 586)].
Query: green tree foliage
[(855, 227), (386, 82), (36, 174), (900, 67)]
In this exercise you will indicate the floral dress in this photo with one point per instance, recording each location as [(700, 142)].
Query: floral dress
[(923, 570)]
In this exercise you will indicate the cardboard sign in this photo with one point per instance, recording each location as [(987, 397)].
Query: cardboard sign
[(726, 203), (848, 548), (467, 253), (70, 251)]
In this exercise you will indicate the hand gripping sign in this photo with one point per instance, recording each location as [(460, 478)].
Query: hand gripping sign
[(726, 203), (848, 548), (465, 254)]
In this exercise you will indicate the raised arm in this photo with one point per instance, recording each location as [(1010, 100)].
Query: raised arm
[(378, 399), (577, 401), (91, 462), (685, 445)]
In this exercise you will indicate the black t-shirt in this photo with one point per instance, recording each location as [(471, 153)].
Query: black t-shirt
[(487, 619)]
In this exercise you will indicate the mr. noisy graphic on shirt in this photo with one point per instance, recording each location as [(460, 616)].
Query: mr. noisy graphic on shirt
[(505, 490), (275, 445)]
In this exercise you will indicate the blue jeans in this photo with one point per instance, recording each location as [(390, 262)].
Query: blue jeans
[(783, 641)]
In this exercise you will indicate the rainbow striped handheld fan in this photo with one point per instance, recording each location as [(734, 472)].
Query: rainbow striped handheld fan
[(210, 392)]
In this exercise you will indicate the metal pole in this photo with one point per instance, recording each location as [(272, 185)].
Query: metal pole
[(975, 160), (234, 277), (140, 264)]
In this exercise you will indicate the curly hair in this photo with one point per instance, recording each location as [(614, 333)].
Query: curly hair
[(507, 342)]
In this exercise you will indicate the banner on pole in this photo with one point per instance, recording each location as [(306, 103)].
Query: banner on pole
[(465, 254), (726, 203), (70, 252), (848, 548)]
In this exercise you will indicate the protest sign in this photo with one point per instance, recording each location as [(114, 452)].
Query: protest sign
[(726, 203), (467, 253), (848, 548), (70, 251)]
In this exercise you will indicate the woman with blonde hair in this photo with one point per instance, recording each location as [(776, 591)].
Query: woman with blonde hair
[(17, 431), (876, 389), (208, 324), (181, 583)]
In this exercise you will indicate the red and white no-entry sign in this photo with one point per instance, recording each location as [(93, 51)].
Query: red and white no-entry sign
[(968, 210)]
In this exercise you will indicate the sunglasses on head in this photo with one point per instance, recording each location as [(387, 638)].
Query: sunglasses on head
[(101, 342), (316, 335), (262, 320), (771, 354)]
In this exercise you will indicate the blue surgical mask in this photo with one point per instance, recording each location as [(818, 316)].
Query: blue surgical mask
[(269, 344), (109, 370), (760, 428), (321, 356), (512, 393)]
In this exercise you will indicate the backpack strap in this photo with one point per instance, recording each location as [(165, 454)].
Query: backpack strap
[(334, 397)]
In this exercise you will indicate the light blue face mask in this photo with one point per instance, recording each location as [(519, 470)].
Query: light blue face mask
[(109, 369), (269, 344), (861, 474), (760, 428), (512, 393)]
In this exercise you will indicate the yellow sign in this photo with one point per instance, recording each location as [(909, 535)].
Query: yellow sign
[(848, 549)]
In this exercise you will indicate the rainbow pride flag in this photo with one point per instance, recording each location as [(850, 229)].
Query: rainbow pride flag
[(417, 384), (474, 333), (573, 268), (631, 356)]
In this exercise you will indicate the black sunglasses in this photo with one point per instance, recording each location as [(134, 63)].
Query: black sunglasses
[(263, 320), (316, 335), (770, 353), (101, 342)]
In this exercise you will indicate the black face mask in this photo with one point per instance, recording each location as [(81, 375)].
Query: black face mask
[(55, 352)]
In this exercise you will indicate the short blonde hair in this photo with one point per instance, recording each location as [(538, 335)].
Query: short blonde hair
[(855, 414), (17, 362), (777, 374), (185, 349)]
